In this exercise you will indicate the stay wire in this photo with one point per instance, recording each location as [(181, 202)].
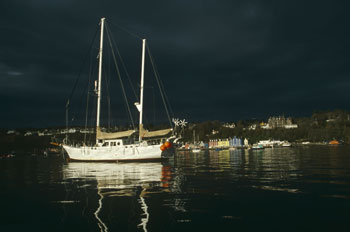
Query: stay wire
[(124, 66), (87, 99), (161, 87), (107, 83), (119, 76), (80, 71), (160, 81), (85, 90), (126, 30)]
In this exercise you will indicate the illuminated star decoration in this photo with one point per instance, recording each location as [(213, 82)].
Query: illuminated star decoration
[(176, 121), (183, 123), (180, 123)]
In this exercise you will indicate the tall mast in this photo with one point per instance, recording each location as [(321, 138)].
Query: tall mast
[(99, 76), (141, 87)]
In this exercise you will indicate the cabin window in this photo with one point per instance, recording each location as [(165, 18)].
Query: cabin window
[(105, 144), (112, 143), (118, 143)]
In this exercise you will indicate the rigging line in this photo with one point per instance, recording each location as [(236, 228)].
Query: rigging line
[(80, 71), (93, 111), (119, 76), (166, 96), (107, 83), (77, 79), (126, 30), (85, 90), (147, 116), (87, 98), (127, 75), (159, 85), (93, 117), (124, 67), (154, 106)]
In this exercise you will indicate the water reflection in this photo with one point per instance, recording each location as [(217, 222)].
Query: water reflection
[(230, 190), (119, 180), (268, 169)]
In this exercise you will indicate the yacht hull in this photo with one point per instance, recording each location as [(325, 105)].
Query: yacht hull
[(127, 153)]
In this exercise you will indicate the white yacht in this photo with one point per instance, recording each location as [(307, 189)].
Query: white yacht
[(114, 146)]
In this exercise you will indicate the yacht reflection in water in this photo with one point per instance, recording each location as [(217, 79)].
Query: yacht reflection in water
[(119, 180)]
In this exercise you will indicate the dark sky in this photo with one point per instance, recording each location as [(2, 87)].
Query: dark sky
[(218, 59)]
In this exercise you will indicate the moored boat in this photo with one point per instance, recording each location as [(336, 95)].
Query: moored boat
[(122, 145), (257, 146), (286, 144)]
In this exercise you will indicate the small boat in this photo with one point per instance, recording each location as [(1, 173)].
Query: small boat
[(286, 144), (257, 146), (196, 150), (334, 142)]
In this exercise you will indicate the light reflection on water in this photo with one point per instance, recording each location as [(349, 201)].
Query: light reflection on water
[(116, 180), (115, 176), (305, 187), (260, 169)]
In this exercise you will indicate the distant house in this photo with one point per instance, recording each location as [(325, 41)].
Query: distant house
[(292, 126), (229, 125), (69, 131), (252, 127), (279, 122), (226, 143), (10, 132), (28, 133), (265, 126), (87, 131), (41, 133), (223, 143), (246, 143)]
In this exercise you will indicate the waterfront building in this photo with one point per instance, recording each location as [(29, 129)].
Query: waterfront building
[(246, 142), (223, 143), (235, 142)]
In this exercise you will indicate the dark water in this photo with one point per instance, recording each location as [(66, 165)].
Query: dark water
[(281, 189)]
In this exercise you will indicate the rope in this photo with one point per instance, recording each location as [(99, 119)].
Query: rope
[(119, 76), (81, 68), (87, 100), (126, 30), (120, 58), (126, 73), (160, 85), (77, 80)]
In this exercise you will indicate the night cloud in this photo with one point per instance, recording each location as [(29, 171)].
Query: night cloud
[(225, 60)]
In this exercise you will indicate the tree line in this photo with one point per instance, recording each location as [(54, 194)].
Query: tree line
[(320, 127)]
